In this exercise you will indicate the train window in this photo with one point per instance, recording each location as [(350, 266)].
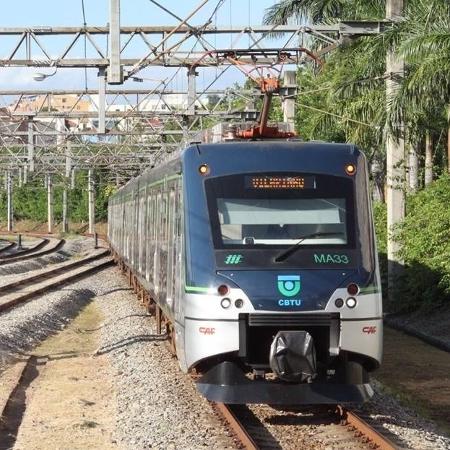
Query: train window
[(282, 221), (321, 213)]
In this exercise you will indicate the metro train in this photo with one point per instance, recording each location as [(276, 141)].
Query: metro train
[(261, 258)]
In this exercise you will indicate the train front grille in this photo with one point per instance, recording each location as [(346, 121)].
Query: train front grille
[(257, 331)]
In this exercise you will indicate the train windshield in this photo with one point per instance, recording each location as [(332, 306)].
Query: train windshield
[(275, 221), (279, 211)]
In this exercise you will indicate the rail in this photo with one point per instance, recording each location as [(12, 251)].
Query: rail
[(26, 251), (226, 412), (363, 429), (8, 246), (28, 255), (18, 292)]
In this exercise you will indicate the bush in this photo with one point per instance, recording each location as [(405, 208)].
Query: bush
[(425, 249), (425, 239)]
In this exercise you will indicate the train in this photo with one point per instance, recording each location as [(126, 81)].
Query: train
[(260, 259)]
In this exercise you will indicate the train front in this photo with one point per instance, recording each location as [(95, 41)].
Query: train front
[(282, 298)]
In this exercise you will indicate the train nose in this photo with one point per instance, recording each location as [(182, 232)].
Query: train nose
[(293, 356)]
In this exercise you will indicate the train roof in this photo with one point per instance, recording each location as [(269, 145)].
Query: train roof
[(333, 153), (292, 144), (329, 154)]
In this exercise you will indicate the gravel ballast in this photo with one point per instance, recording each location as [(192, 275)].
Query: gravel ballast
[(137, 354), (410, 430), (157, 405)]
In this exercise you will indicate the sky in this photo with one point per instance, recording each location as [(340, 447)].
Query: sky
[(47, 13)]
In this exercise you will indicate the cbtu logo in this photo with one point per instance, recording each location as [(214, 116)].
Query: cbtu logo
[(289, 285), (289, 302)]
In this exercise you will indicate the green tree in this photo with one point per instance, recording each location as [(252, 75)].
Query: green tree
[(346, 99)]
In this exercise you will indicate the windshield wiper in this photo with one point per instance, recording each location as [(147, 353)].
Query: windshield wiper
[(293, 248)]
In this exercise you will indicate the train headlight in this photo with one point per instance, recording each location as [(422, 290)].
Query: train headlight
[(351, 302), (225, 303), (350, 169), (239, 303), (204, 169), (339, 303)]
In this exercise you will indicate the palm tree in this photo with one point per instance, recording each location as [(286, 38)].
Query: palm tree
[(317, 11), (425, 46), (355, 74)]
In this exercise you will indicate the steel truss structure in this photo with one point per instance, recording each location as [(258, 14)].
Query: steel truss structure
[(119, 53), (37, 138), (165, 45)]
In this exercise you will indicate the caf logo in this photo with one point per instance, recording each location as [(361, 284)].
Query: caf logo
[(289, 285)]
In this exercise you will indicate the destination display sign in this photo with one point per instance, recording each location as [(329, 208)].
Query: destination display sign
[(279, 182)]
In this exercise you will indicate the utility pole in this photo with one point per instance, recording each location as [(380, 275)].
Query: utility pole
[(115, 72), (65, 219), (72, 178), (9, 201), (428, 158), (289, 80), (101, 100), (49, 204), (191, 98), (30, 144), (91, 200), (395, 151)]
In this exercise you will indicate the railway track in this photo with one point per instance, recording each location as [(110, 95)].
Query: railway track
[(363, 430), (15, 293), (228, 414), (46, 245), (9, 246), (252, 434), (26, 251)]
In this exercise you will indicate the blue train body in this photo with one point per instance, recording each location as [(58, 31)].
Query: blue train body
[(261, 256)]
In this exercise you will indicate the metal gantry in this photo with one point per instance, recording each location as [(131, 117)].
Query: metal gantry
[(120, 53), (174, 53), (49, 140), (34, 131)]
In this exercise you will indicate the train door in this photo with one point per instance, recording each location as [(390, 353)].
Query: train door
[(171, 249), (178, 277), (150, 235), (142, 230), (127, 227), (156, 253), (135, 228), (178, 257), (163, 247)]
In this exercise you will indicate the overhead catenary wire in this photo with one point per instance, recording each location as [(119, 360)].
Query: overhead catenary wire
[(213, 19), (346, 119), (143, 62)]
